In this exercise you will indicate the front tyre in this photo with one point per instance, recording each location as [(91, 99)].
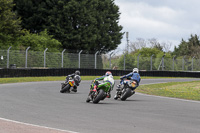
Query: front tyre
[(99, 96), (65, 89), (125, 94), (88, 100)]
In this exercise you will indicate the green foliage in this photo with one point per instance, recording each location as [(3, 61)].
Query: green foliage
[(167, 61), (129, 61), (38, 42), (80, 25), (189, 48), (9, 24), (144, 54), (145, 58)]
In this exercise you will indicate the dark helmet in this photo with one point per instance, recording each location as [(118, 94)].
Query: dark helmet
[(77, 72)]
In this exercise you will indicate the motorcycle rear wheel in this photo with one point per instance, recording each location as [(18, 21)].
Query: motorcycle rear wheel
[(99, 96), (125, 94)]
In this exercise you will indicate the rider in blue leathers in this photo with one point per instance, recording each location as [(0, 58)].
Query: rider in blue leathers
[(132, 76)]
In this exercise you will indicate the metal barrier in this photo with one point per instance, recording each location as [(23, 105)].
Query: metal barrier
[(89, 72)]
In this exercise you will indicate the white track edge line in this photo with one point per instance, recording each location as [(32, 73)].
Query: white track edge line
[(18, 122)]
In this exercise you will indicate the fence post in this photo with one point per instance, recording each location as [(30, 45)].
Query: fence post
[(79, 59), (173, 63), (45, 57), (8, 56), (151, 61), (26, 56), (183, 63), (95, 65), (62, 57), (163, 62), (110, 60), (192, 62), (138, 61), (125, 61)]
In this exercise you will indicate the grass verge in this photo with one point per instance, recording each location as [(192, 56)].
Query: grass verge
[(36, 79), (183, 90), (53, 78)]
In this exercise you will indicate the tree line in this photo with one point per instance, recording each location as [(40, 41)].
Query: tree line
[(187, 49), (59, 24), (75, 25)]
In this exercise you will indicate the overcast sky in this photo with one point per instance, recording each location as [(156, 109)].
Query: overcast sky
[(165, 20)]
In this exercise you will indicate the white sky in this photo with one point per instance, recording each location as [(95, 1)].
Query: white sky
[(165, 20)]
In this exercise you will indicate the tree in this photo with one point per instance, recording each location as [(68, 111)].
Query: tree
[(9, 23), (152, 43), (81, 25), (188, 48), (129, 61), (38, 42), (145, 58)]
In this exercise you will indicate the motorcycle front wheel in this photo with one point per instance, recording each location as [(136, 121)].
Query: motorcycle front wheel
[(65, 89), (88, 100)]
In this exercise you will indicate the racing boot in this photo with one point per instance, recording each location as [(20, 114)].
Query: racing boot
[(108, 95), (88, 99), (133, 92), (116, 97)]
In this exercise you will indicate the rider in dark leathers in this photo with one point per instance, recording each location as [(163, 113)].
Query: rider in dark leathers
[(72, 76)]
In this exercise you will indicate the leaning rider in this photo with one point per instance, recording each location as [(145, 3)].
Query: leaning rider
[(72, 77), (106, 78), (133, 76)]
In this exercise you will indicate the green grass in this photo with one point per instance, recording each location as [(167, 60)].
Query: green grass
[(36, 79), (53, 78), (183, 90)]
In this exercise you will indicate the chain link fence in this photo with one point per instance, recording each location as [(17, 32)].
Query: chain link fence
[(151, 63), (37, 59)]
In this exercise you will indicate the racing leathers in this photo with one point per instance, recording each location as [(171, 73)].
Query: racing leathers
[(106, 79), (131, 76), (72, 77)]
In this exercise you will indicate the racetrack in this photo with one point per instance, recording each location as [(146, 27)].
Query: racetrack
[(40, 103)]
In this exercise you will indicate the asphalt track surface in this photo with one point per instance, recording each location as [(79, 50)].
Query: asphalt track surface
[(40, 103)]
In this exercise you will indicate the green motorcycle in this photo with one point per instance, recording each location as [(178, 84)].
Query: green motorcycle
[(99, 91)]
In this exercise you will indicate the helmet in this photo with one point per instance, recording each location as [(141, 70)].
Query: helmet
[(108, 73), (77, 72), (135, 70)]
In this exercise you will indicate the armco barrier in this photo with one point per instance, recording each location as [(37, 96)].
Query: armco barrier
[(89, 72)]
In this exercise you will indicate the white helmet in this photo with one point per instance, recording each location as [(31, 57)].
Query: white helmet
[(135, 70)]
